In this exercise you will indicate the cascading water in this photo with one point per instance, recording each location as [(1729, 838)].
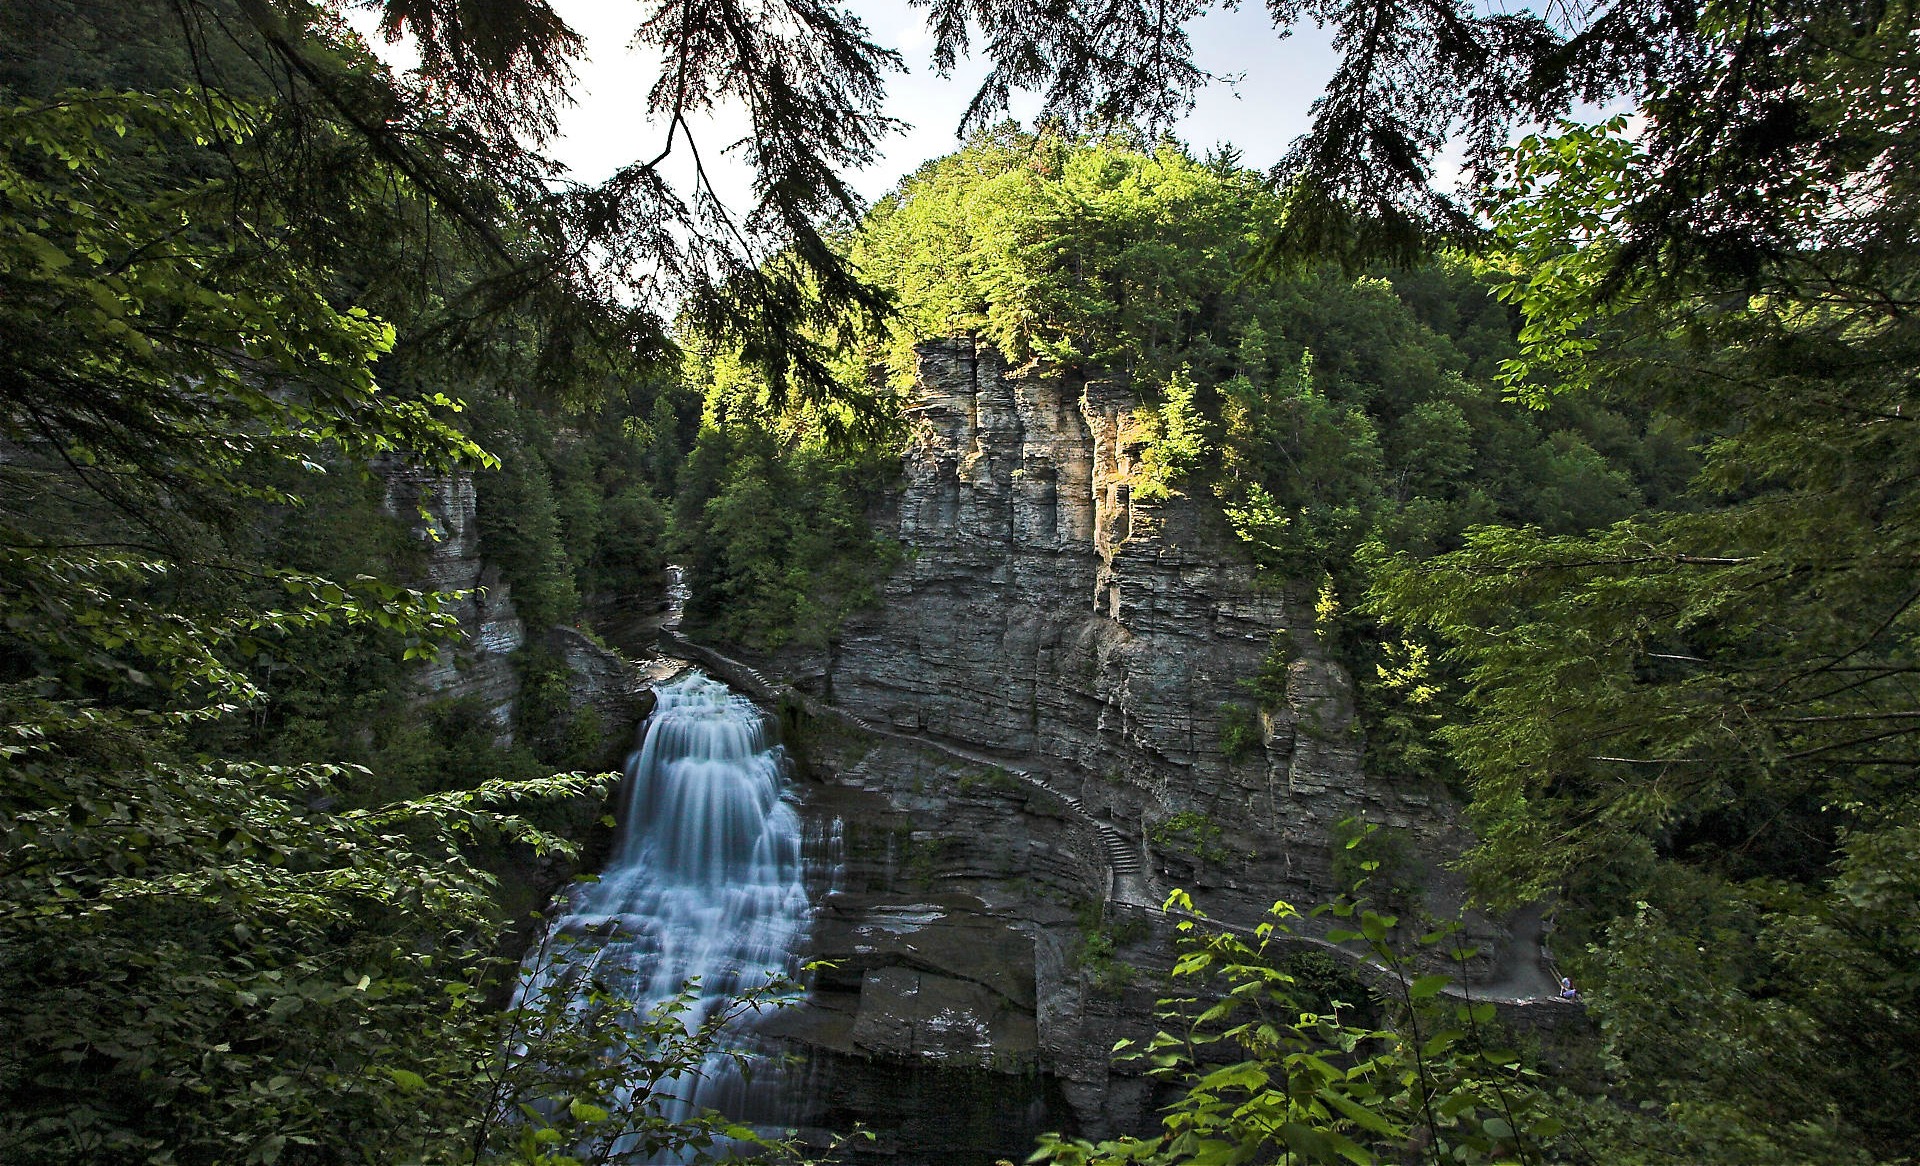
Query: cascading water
[(705, 885)]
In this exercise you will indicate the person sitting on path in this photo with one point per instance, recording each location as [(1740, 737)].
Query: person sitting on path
[(1568, 991)]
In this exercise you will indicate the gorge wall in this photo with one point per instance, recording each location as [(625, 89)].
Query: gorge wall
[(1048, 633), (1046, 613), (441, 510)]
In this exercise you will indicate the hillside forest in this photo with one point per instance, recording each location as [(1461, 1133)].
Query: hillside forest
[(1594, 474)]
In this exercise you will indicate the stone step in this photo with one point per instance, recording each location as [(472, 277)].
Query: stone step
[(1044, 784), (1120, 855)]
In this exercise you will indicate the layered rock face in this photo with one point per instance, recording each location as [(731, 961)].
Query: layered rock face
[(965, 1006), (1045, 618), (1046, 613), (442, 509), (1050, 692)]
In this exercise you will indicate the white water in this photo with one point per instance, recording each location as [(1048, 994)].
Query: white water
[(705, 885)]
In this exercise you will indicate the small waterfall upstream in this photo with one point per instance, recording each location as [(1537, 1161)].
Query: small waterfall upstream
[(705, 884)]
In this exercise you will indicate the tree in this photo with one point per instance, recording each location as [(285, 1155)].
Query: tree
[(210, 955), (1747, 255), (1268, 1073), (1777, 589), (204, 958), (1694, 725), (608, 261)]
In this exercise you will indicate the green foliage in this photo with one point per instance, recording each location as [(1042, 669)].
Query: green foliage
[(213, 947), (1174, 438), (771, 507), (572, 517), (1191, 833), (1322, 410), (1262, 1080), (610, 472), (1300, 470), (1269, 684), (1375, 860), (1096, 954), (777, 540), (544, 714), (1739, 1025), (230, 350), (1406, 702), (631, 543), (205, 960), (1693, 722), (1240, 732), (520, 523), (1085, 255), (1322, 982)]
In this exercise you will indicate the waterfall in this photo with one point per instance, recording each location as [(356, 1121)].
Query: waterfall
[(705, 885)]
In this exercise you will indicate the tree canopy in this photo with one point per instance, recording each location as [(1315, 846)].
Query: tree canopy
[(219, 939), (1695, 726)]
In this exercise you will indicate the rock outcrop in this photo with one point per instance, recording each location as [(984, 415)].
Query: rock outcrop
[(1045, 616), (955, 913), (442, 511), (1054, 687), (1044, 611), (604, 685)]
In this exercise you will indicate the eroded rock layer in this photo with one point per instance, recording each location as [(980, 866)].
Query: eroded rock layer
[(1045, 612), (975, 978), (441, 509), (1058, 670)]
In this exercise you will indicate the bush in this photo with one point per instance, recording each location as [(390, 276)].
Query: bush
[(1239, 731)]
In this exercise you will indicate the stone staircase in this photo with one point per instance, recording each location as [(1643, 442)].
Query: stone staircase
[(1123, 857)]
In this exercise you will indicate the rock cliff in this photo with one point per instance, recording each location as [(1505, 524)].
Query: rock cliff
[(1045, 612), (1045, 618), (441, 509), (975, 983)]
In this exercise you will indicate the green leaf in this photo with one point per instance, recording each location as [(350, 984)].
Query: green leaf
[(1307, 1141), (1359, 1114), (586, 1112)]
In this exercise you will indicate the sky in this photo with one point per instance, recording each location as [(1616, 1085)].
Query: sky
[(1260, 105)]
